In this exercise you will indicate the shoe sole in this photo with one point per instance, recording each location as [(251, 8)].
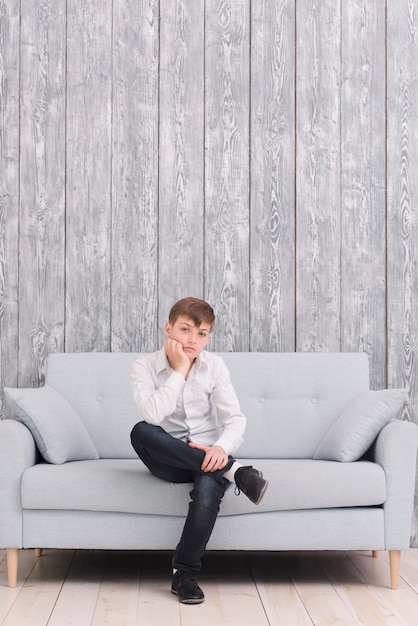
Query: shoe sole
[(262, 492), (185, 601)]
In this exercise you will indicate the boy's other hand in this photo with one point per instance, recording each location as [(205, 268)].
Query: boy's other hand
[(215, 458), (176, 356)]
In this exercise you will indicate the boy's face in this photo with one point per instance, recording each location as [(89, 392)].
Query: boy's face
[(193, 338)]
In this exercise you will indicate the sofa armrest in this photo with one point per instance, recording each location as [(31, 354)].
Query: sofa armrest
[(396, 451), (17, 452)]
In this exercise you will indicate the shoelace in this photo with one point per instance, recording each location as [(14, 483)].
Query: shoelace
[(188, 576), (237, 490)]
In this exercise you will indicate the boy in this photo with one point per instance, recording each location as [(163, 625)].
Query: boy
[(184, 438)]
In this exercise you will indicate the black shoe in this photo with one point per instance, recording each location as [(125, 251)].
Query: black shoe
[(251, 482), (186, 588)]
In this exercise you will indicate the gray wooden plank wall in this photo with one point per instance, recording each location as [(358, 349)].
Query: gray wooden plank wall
[(261, 155)]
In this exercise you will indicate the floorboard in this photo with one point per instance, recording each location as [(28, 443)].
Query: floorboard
[(101, 588)]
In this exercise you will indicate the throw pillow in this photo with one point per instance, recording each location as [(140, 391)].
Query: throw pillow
[(359, 424), (58, 431)]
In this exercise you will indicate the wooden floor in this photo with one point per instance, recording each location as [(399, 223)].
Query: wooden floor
[(80, 588)]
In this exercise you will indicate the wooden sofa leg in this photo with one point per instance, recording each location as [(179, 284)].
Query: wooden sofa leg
[(375, 554), (395, 568), (38, 552), (12, 561)]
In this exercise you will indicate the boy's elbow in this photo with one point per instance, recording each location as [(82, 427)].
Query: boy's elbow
[(151, 414)]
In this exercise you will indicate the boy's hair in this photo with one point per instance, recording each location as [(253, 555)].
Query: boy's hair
[(198, 310)]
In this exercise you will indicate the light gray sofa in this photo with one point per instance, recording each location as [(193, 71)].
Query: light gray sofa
[(304, 411)]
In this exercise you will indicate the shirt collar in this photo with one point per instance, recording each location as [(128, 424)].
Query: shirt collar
[(162, 361)]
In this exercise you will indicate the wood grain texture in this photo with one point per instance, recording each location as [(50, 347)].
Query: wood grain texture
[(9, 193), (402, 296), (42, 180), (97, 588), (181, 204), (403, 200), (134, 272), (272, 138), (363, 171), (88, 216), (318, 44), (227, 170)]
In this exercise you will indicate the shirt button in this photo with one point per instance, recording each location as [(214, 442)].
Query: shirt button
[(261, 400), (99, 398), (314, 400)]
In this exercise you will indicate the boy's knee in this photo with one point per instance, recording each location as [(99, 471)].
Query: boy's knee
[(137, 433), (136, 429), (143, 434)]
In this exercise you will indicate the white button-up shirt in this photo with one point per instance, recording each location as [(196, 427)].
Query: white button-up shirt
[(203, 409)]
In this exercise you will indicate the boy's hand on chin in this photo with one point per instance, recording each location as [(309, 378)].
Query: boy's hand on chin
[(215, 458), (176, 356)]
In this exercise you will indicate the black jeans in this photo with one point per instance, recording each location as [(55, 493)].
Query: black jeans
[(175, 461)]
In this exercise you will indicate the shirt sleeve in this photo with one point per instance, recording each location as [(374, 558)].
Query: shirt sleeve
[(155, 402), (231, 420)]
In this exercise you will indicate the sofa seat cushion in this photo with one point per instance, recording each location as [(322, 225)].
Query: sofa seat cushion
[(126, 485)]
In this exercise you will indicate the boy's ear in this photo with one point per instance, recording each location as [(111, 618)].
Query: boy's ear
[(167, 329)]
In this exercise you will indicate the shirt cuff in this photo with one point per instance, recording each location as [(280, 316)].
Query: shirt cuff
[(175, 380), (225, 444)]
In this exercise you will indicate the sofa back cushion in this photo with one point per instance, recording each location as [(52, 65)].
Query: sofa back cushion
[(290, 399), (98, 387)]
